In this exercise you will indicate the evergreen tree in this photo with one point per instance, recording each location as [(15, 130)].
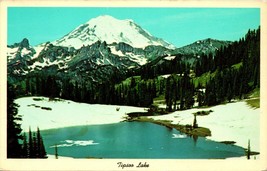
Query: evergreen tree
[(168, 96), (31, 145), (13, 128), (248, 152), (42, 153), (195, 125), (25, 153), (56, 152), (35, 146)]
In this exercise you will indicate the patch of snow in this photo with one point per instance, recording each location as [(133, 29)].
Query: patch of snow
[(11, 53), (169, 57), (16, 71), (99, 62), (25, 51), (47, 62), (141, 60), (39, 64), (37, 49), (230, 122), (68, 58), (63, 112), (69, 143), (130, 67), (115, 52), (166, 75), (65, 65), (179, 136)]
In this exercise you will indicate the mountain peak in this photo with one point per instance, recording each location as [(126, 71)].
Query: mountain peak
[(24, 43), (109, 29), (208, 45), (103, 18)]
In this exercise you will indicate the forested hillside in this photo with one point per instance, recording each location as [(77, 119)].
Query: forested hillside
[(231, 72)]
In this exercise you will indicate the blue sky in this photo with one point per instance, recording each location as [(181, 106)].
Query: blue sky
[(179, 26)]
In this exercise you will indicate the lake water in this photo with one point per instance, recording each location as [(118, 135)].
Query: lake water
[(133, 140)]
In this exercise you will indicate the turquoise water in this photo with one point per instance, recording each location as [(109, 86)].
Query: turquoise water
[(133, 140)]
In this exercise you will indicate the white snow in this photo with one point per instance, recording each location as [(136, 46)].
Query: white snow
[(38, 49), (68, 113), (69, 143), (115, 52), (179, 136), (167, 75), (11, 53), (109, 29), (230, 122), (25, 51), (137, 58), (141, 60), (99, 61), (169, 57), (47, 62)]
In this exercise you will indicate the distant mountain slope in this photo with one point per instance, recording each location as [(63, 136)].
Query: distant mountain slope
[(203, 46)]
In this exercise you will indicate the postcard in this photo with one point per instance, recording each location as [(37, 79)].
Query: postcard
[(133, 85)]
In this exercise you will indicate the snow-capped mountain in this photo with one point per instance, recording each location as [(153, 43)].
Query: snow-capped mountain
[(102, 47), (111, 42), (111, 30)]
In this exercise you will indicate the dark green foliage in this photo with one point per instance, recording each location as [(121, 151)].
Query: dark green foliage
[(14, 148), (35, 145), (31, 148), (230, 82), (249, 151), (179, 89), (56, 152), (41, 153), (25, 147), (195, 125)]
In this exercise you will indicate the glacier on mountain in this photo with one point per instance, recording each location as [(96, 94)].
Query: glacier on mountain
[(109, 29)]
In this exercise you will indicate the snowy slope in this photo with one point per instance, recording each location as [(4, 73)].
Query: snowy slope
[(224, 126), (109, 29)]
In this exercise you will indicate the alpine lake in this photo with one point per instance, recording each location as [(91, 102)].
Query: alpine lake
[(133, 140)]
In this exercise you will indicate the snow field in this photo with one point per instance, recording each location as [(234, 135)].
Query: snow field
[(230, 122), (68, 113)]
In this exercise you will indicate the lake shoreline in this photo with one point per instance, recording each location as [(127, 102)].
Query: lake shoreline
[(187, 129), (200, 131), (224, 126)]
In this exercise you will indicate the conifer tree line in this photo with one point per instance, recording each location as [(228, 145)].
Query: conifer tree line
[(17, 144), (233, 71), (179, 89), (237, 69), (34, 146), (13, 127)]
